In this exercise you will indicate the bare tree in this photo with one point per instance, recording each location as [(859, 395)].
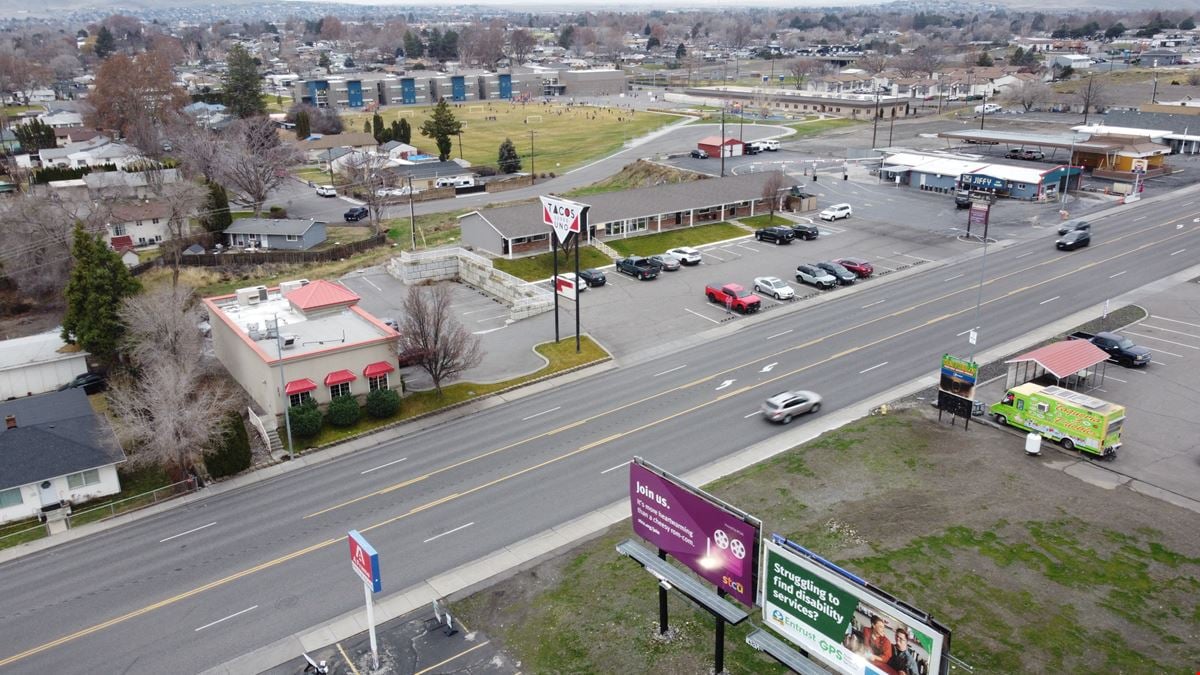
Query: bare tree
[(1029, 94), (365, 170), (199, 150), (446, 349), (804, 68), (520, 43), (255, 161), (170, 410), (35, 242), (872, 63), (183, 200), (1093, 96), (775, 184)]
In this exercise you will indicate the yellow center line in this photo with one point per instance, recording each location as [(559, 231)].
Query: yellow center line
[(328, 542)]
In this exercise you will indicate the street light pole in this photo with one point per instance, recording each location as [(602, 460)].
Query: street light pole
[(721, 147), (532, 172), (287, 413), (1154, 95), (412, 215)]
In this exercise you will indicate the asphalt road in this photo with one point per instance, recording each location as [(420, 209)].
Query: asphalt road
[(198, 585)]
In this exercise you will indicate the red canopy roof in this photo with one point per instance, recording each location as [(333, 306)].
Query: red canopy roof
[(338, 377), (299, 386), (319, 294), (1064, 358), (122, 243), (377, 369)]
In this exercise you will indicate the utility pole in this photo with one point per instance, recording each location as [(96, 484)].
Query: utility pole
[(721, 147), (412, 215), (1154, 95), (532, 172), (1087, 101), (460, 152), (875, 120), (287, 413)]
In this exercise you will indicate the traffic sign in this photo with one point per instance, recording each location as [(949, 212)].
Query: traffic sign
[(365, 560), (564, 216), (565, 286)]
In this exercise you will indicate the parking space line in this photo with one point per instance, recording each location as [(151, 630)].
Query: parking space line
[(914, 257), (1170, 342), (489, 330), (1169, 330), (1110, 377), (1159, 317), (700, 315), (670, 370), (492, 318), (748, 248), (476, 311), (1156, 350), (346, 658), (712, 255)]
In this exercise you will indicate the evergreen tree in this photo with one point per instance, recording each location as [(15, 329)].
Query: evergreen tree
[(395, 130), (413, 47), (377, 127), (1187, 24), (105, 43), (654, 43), (98, 283), (680, 52), (509, 161), (567, 36), (34, 135), (243, 86), (366, 126), (323, 62), (216, 211), (441, 126), (303, 125), (984, 60), (404, 133)]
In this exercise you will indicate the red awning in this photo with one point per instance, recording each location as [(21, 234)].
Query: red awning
[(377, 369), (338, 377), (299, 386)]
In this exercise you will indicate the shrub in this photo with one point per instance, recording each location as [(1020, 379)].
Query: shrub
[(232, 454), (343, 411), (306, 419), (277, 213), (383, 403)]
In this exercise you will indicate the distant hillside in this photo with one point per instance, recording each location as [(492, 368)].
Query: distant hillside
[(640, 174)]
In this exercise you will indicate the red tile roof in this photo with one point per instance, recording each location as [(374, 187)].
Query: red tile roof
[(321, 294), (1064, 358)]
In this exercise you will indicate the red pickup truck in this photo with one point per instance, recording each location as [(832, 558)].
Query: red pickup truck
[(733, 296)]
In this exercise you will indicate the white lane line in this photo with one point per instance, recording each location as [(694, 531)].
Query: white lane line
[(1159, 317), (713, 255), (1178, 252), (1114, 276), (196, 529), (491, 318), (748, 248), (1140, 218), (526, 419), (877, 302), (1163, 351), (670, 370), (956, 276), (1023, 255), (756, 412), (372, 284), (700, 315), (772, 337), (210, 625), (877, 365), (615, 467), (1110, 377), (381, 466), (1170, 342), (1170, 330), (1050, 300), (490, 330), (439, 536), (964, 332), (1189, 203)]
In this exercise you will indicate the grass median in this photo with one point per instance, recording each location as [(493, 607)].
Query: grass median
[(541, 266), (768, 220), (653, 244)]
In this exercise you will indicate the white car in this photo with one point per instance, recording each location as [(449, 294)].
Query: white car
[(774, 287), (835, 212), (988, 108), (686, 254), (394, 192), (326, 191)]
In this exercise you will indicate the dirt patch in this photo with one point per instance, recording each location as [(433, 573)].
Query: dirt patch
[(1034, 570)]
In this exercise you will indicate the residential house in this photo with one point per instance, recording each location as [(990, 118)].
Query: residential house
[(144, 222), (135, 184), (97, 151), (61, 119), (38, 364), (424, 174), (287, 234), (56, 450), (355, 140), (64, 136), (398, 150)]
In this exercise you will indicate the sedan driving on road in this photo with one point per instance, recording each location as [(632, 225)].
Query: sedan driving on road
[(835, 212), (686, 254), (859, 266), (775, 287), (1074, 225), (1073, 240), (811, 274), (784, 406)]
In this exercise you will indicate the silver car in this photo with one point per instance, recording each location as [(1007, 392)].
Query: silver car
[(784, 406), (811, 274), (775, 287), (666, 261)]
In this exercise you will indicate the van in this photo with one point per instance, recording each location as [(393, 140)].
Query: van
[(772, 146), (455, 181)]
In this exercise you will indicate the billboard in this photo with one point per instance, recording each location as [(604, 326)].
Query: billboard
[(958, 376), (713, 541), (978, 214), (365, 560), (564, 216), (842, 623), (978, 181)]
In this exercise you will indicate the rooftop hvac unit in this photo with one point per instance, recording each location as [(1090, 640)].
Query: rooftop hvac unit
[(272, 329), (287, 287), (289, 341), (262, 293), (247, 296)]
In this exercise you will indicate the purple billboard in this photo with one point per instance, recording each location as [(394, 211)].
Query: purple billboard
[(718, 545)]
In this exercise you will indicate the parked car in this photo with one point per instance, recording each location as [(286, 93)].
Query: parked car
[(641, 268), (962, 199), (815, 276), (1074, 225), (835, 212), (326, 191), (666, 261), (686, 254), (805, 231), (775, 235), (733, 296), (390, 323), (843, 275), (988, 108), (91, 383), (699, 154), (784, 406), (774, 287), (455, 181), (859, 266), (356, 213), (1022, 153), (570, 277), (593, 277), (1073, 240), (395, 192)]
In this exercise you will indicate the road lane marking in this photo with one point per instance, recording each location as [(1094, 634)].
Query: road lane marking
[(880, 302), (1023, 255), (756, 412), (490, 330), (770, 366), (227, 617), (1179, 251), (382, 466), (1140, 218), (346, 658), (625, 463), (197, 529), (877, 365), (772, 337), (670, 370), (439, 536), (1159, 317), (1118, 274), (1050, 300), (1169, 330), (372, 284), (965, 332), (526, 419), (914, 257), (700, 315), (456, 656), (724, 385), (1170, 342), (956, 276)]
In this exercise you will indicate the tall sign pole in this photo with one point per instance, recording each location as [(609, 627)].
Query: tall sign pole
[(365, 562), (565, 218), (554, 243)]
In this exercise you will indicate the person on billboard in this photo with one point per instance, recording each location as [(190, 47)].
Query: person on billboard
[(904, 657), (877, 642)]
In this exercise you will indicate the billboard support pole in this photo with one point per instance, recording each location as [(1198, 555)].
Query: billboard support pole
[(719, 650), (554, 253), (371, 625), (577, 293), (664, 620)]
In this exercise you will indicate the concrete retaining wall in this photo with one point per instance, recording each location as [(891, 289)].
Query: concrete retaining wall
[(456, 264)]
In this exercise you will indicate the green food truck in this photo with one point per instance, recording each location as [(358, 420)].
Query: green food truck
[(1068, 417)]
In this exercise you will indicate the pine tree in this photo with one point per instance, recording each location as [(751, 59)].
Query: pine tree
[(377, 127), (440, 126), (366, 126), (303, 125), (216, 211), (680, 52), (404, 134), (509, 161), (105, 43), (323, 62), (395, 129), (243, 86), (34, 135), (98, 283)]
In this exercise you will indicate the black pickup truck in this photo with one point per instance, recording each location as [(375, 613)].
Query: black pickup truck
[(642, 268), (1118, 347)]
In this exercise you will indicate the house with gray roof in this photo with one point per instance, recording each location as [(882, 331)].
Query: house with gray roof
[(515, 231), (287, 234), (55, 449)]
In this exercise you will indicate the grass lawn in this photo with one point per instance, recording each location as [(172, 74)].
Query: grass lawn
[(211, 281), (653, 244), (815, 127), (561, 355), (238, 215), (343, 234), (1033, 570), (21, 109), (765, 221), (134, 483), (277, 104), (30, 530), (563, 138), (312, 174), (433, 229), (541, 266)]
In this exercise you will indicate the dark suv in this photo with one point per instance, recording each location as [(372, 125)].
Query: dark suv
[(962, 199), (355, 214), (805, 231), (777, 235), (1082, 225)]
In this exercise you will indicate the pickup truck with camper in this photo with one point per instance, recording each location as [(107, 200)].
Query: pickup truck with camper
[(1072, 419), (455, 181), (733, 296), (1118, 347), (640, 268), (761, 146)]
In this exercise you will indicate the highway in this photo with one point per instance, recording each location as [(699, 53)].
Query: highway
[(198, 585)]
